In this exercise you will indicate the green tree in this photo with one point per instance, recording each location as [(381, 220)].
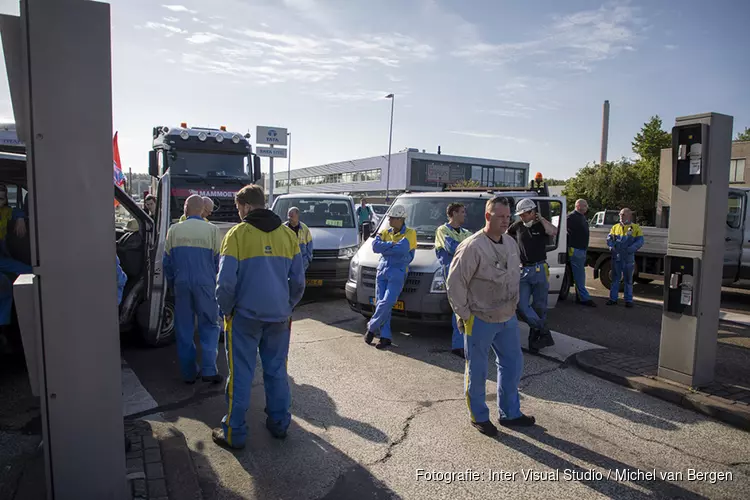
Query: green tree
[(466, 183), (649, 142), (555, 182), (743, 136)]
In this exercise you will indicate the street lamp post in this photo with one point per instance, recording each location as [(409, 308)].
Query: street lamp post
[(392, 97), (289, 164)]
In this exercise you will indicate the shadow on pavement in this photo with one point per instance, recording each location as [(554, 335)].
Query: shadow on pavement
[(410, 339), (609, 487), (304, 465), (316, 407)]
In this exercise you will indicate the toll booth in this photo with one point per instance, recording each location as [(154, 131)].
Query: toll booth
[(58, 58), (701, 153)]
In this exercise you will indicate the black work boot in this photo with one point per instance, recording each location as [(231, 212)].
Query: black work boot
[(214, 379), (534, 340), (486, 428), (522, 421), (546, 340), (383, 343), (459, 352), (369, 336)]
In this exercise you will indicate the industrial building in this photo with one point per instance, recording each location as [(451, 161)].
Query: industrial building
[(738, 177), (409, 170)]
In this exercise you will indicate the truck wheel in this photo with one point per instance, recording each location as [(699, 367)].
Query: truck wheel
[(167, 335), (605, 274), (566, 282)]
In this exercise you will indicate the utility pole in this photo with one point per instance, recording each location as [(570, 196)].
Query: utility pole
[(392, 97)]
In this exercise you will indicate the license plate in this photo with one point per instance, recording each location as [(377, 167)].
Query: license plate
[(314, 282), (398, 306)]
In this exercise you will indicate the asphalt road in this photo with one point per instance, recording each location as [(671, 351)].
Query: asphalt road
[(637, 331), (365, 422)]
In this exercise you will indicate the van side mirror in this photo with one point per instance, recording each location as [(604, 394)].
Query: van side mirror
[(256, 168), (153, 164)]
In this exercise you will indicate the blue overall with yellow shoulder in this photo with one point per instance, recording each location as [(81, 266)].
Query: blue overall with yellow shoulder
[(10, 268), (396, 251), (305, 241), (447, 239), (623, 240), (261, 280), (191, 261)]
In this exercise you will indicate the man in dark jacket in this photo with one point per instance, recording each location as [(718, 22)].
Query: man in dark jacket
[(578, 244)]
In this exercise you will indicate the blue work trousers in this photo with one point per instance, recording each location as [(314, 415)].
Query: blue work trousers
[(6, 300), (503, 338), (577, 258), (457, 341), (621, 270), (534, 285), (244, 339), (191, 301), (387, 289), (12, 266)]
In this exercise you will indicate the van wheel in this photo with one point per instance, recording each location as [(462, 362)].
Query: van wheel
[(566, 282), (167, 334)]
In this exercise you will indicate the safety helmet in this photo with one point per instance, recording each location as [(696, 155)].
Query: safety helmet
[(525, 205), (397, 212)]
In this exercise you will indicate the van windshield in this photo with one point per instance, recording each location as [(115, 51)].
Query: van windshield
[(318, 212), (425, 215)]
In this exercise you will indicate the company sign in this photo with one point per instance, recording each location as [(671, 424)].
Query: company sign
[(203, 192), (271, 152), (271, 135)]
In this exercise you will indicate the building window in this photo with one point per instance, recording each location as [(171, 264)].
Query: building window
[(345, 177), (737, 171)]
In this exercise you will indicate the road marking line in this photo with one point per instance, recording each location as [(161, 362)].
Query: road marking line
[(135, 397)]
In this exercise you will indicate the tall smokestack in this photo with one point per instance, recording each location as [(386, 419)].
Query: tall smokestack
[(605, 133)]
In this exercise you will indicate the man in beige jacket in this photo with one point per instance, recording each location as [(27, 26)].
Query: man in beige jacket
[(483, 289)]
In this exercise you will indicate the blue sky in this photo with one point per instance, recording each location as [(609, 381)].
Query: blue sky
[(513, 80)]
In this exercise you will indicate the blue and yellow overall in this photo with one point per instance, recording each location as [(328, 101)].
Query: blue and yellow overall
[(305, 242), (191, 260), (396, 251), (447, 239), (261, 280), (623, 240)]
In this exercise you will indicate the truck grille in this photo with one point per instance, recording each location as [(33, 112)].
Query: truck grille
[(325, 254), (327, 274), (411, 285)]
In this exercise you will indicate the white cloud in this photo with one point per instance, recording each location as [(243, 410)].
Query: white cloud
[(352, 96), (201, 38), (171, 20), (164, 27), (179, 8), (574, 41), (484, 135), (671, 47)]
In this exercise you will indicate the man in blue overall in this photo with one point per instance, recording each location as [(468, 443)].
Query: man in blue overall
[(447, 238), (532, 233), (191, 262), (624, 239), (396, 247)]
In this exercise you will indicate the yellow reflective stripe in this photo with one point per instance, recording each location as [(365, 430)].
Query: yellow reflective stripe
[(230, 378), (469, 325), (411, 235), (570, 252), (546, 269), (245, 241), (466, 390)]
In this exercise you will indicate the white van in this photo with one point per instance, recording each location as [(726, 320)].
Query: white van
[(332, 222), (424, 297)]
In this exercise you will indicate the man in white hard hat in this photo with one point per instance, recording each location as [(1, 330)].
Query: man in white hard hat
[(532, 232), (396, 246)]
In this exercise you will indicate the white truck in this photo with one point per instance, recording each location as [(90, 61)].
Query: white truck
[(649, 260)]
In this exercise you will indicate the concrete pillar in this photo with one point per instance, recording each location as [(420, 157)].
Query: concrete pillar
[(62, 96)]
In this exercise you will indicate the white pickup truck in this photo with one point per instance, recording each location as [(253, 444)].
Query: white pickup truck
[(649, 260)]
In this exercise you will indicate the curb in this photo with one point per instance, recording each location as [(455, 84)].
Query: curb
[(719, 408), (179, 470)]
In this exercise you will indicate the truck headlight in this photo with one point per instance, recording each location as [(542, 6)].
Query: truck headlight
[(354, 269), (348, 252), (438, 283)]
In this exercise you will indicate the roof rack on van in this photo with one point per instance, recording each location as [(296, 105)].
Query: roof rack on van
[(536, 186)]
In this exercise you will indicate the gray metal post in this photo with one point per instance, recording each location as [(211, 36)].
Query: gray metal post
[(605, 133), (392, 97), (701, 152), (70, 151), (289, 165), (271, 181)]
